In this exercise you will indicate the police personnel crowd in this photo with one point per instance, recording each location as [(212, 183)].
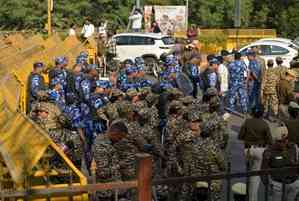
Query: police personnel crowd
[(181, 122)]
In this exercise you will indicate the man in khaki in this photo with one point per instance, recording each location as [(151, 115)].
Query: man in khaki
[(255, 133), (286, 93)]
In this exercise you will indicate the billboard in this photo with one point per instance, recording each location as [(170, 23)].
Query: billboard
[(171, 19)]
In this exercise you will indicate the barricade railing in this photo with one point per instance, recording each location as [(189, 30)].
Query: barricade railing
[(144, 183)]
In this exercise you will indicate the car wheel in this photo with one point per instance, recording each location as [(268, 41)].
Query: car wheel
[(151, 66)]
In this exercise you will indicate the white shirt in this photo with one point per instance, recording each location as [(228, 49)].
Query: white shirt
[(87, 30), (136, 21), (72, 32), (102, 29), (223, 72)]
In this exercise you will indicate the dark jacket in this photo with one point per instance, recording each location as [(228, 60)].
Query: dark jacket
[(255, 132), (277, 157), (293, 129)]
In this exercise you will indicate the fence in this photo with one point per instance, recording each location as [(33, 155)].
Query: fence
[(144, 183)]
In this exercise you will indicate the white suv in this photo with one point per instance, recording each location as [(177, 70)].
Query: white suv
[(149, 46)]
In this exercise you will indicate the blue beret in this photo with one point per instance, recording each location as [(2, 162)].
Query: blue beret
[(38, 65), (132, 69), (214, 61), (103, 84)]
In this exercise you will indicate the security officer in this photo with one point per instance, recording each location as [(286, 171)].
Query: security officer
[(74, 79), (255, 78), (192, 69), (285, 93), (129, 82), (36, 83), (237, 88), (210, 76), (88, 84), (256, 135), (59, 72), (122, 75), (269, 90), (293, 123), (279, 155)]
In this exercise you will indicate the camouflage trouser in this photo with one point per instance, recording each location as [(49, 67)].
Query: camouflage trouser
[(270, 102), (236, 93), (187, 191)]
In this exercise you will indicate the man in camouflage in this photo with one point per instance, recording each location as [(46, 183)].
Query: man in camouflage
[(269, 90), (107, 165)]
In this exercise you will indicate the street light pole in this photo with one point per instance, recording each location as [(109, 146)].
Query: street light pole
[(49, 27)]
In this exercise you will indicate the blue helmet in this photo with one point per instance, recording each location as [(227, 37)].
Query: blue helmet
[(103, 84), (83, 54), (170, 60), (60, 60), (214, 61), (38, 65), (139, 61), (132, 69)]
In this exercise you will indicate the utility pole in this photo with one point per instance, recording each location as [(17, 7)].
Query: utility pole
[(49, 25), (187, 13), (237, 20)]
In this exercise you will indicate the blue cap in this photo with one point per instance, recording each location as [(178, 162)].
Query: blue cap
[(132, 69), (60, 60), (38, 65), (83, 54), (250, 53), (214, 61), (139, 61), (103, 84), (81, 60)]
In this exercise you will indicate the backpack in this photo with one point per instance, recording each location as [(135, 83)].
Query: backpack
[(281, 160)]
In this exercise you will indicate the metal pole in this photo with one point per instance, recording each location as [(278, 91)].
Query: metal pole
[(137, 3), (49, 26)]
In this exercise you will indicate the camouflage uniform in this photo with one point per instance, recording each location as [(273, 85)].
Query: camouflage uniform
[(206, 160), (126, 150), (51, 123), (269, 90), (217, 127), (107, 165)]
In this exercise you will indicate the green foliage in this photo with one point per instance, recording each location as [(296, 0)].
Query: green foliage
[(32, 14)]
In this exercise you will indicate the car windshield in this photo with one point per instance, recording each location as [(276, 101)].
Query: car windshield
[(168, 41), (294, 47), (296, 41)]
